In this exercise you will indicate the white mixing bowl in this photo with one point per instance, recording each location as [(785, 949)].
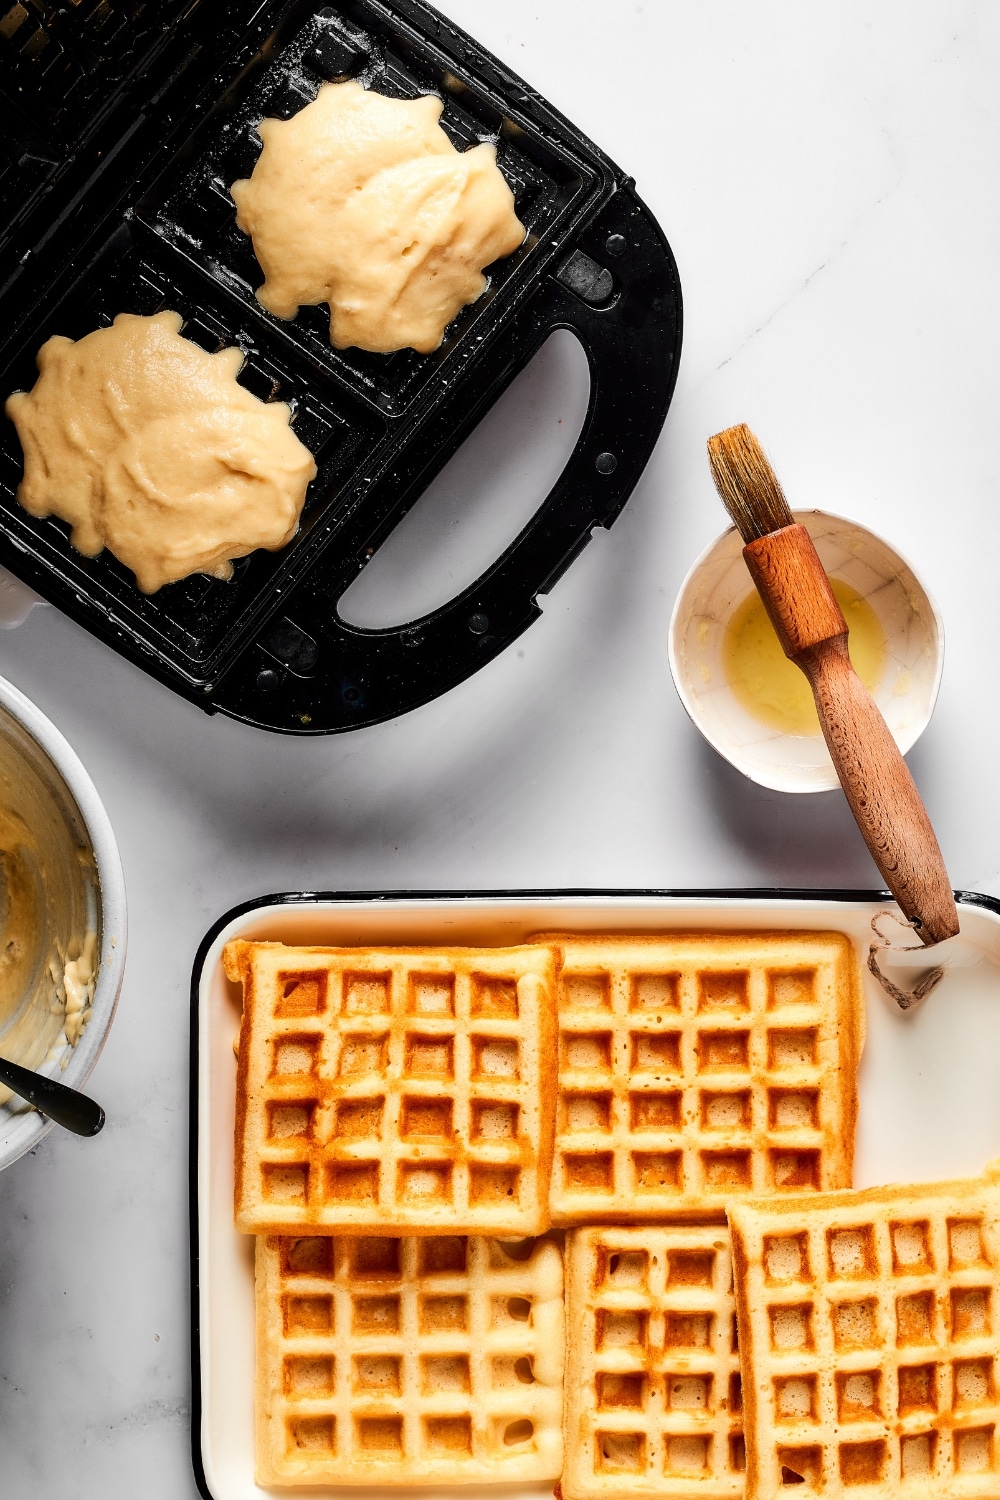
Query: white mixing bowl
[(83, 859)]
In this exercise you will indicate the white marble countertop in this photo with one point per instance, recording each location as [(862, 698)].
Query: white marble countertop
[(827, 177)]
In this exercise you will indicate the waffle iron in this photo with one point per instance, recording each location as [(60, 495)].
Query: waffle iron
[(124, 123)]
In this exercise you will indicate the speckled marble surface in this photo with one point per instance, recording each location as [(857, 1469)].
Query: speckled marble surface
[(827, 176)]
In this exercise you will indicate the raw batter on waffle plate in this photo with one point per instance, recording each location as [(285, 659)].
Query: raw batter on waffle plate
[(147, 445), (362, 202)]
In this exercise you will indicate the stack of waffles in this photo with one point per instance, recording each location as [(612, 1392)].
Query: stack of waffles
[(394, 1144), (416, 1129)]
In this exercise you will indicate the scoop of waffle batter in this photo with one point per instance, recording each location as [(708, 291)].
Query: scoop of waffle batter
[(393, 1090), (696, 1067), (870, 1339), (652, 1371), (408, 1361)]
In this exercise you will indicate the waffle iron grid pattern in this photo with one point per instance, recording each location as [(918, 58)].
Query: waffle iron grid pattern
[(178, 247), (191, 211), (653, 1404), (695, 1068), (196, 218), (391, 1091), (408, 1361), (871, 1334)]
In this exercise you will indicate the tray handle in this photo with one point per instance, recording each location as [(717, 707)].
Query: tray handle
[(617, 289)]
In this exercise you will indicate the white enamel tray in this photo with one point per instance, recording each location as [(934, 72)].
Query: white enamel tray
[(929, 1081)]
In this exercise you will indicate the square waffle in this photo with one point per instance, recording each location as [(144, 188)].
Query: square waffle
[(693, 1067), (870, 1339), (395, 1089), (652, 1373), (408, 1361)]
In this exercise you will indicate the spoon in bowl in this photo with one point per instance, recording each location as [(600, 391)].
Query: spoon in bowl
[(65, 1106)]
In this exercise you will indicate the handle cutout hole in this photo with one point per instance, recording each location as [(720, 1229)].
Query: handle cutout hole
[(484, 496)]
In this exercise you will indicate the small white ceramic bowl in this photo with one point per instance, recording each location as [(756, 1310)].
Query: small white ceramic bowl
[(717, 585), (85, 855)]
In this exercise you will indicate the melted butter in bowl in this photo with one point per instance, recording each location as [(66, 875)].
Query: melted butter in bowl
[(771, 687), (755, 707)]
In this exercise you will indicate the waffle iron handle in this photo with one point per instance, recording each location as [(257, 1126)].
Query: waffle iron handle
[(618, 291)]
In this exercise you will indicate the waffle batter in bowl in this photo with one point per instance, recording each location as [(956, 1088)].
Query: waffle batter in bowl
[(62, 914)]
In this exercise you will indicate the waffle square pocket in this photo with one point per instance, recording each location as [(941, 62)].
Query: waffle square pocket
[(697, 1067), (394, 1090), (408, 1361), (870, 1340), (653, 1399)]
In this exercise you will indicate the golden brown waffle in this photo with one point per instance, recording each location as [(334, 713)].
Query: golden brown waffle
[(870, 1339), (696, 1067), (652, 1369), (408, 1361), (389, 1090)]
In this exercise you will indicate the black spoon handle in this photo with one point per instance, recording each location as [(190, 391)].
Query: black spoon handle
[(68, 1108)]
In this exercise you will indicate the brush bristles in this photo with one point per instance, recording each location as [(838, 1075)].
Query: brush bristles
[(746, 483)]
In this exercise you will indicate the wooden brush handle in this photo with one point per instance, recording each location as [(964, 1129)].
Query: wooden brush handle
[(881, 792)]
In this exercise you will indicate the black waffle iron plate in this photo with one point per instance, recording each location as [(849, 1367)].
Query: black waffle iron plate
[(124, 124)]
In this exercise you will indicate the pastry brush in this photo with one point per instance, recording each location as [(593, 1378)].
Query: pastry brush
[(796, 592)]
